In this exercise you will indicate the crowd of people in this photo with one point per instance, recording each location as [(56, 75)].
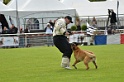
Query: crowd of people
[(50, 26), (11, 30)]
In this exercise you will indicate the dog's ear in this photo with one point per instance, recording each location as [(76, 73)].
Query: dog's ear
[(75, 43)]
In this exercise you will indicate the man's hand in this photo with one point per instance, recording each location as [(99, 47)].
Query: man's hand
[(69, 33)]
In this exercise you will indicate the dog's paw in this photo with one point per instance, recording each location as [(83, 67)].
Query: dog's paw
[(96, 67), (74, 66), (87, 68)]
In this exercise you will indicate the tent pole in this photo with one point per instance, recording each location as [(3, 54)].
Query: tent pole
[(17, 17), (118, 22)]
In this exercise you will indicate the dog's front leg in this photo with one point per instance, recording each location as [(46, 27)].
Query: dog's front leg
[(75, 64)]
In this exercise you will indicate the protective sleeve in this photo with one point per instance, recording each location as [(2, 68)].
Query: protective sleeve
[(62, 27)]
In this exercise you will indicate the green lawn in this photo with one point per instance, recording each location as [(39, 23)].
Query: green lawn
[(42, 64)]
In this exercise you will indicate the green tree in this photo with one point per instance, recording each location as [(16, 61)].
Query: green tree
[(96, 0), (6, 1)]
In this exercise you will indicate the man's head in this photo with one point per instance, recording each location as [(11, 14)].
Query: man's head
[(4, 28), (48, 25), (68, 19)]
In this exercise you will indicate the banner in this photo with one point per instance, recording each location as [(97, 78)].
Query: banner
[(9, 41), (122, 38), (100, 40), (113, 39)]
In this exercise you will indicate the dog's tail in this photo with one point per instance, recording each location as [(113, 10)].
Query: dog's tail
[(94, 58), (91, 55)]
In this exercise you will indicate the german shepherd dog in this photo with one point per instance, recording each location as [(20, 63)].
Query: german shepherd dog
[(82, 55)]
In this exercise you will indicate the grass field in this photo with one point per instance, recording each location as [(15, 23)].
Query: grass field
[(42, 64)]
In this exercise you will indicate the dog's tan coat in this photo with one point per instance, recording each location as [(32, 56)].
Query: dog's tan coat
[(83, 55)]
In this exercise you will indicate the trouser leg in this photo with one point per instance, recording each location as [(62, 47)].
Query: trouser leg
[(63, 45)]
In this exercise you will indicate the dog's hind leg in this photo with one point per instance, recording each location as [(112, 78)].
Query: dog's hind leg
[(75, 64), (95, 64), (86, 61), (86, 64)]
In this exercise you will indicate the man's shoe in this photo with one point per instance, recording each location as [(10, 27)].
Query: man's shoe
[(65, 62)]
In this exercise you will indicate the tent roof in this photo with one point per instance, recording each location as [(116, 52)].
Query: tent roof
[(44, 7), (3, 7), (86, 8), (21, 3), (6, 10)]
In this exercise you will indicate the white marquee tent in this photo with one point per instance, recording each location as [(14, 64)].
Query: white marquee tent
[(41, 9)]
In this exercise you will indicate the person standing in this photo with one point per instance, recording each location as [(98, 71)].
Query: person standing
[(94, 22), (5, 31), (49, 32), (60, 40), (112, 16), (113, 20), (49, 29), (13, 29)]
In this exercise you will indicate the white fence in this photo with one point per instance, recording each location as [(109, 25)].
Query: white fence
[(25, 40)]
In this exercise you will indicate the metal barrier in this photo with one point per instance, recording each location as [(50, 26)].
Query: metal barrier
[(34, 39), (25, 40)]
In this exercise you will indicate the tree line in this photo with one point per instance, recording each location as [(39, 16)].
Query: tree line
[(6, 1), (96, 0)]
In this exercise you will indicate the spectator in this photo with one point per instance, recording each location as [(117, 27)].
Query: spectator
[(109, 31), (51, 23), (49, 31), (112, 16), (21, 31), (78, 24), (13, 29), (5, 31), (94, 22), (26, 30)]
